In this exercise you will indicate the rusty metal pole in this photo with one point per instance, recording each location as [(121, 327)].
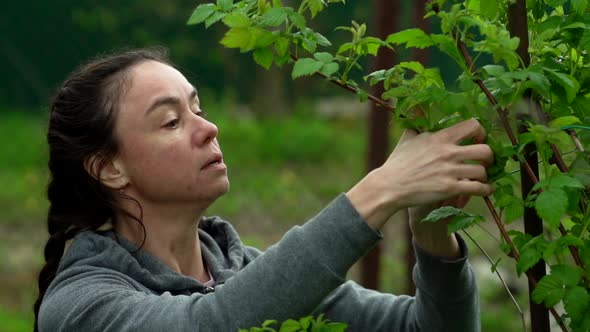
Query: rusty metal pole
[(385, 17), (533, 225)]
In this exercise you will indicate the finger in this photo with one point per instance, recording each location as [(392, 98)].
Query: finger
[(476, 152), (474, 188), (463, 130), (471, 172)]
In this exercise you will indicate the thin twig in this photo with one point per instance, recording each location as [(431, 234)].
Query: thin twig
[(501, 279), (353, 89)]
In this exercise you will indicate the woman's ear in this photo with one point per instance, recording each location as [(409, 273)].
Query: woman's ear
[(110, 173)]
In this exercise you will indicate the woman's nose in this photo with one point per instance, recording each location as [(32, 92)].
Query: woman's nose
[(204, 131)]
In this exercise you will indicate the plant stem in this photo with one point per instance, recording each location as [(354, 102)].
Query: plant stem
[(501, 279), (353, 89)]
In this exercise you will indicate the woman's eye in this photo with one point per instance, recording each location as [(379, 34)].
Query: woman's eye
[(172, 124)]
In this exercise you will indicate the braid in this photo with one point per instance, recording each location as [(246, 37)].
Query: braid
[(81, 125)]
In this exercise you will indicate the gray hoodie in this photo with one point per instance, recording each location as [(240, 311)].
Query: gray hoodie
[(103, 285)]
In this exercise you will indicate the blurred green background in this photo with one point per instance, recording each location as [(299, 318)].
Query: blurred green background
[(290, 147)]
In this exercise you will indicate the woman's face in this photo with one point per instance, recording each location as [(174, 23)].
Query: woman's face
[(168, 150)]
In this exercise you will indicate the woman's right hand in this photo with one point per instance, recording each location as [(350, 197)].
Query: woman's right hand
[(425, 169)]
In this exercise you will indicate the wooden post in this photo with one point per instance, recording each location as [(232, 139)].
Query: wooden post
[(385, 16), (533, 225)]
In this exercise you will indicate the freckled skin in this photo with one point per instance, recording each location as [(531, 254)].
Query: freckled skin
[(163, 160)]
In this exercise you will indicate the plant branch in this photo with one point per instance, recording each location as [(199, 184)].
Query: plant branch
[(499, 277), (353, 89), (514, 254)]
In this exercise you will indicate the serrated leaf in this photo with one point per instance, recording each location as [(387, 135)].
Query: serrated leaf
[(580, 168), (514, 210), (494, 70), (411, 37), (568, 82), (274, 17), (551, 205), (324, 57), (290, 325), (297, 19), (527, 259), (549, 291), (579, 6), (564, 181), (225, 4), (263, 57), (576, 302), (201, 13), (236, 38), (443, 213), (414, 66), (315, 6), (321, 39), (564, 121), (330, 68), (282, 45), (460, 222), (568, 275), (214, 18), (305, 67), (236, 20)]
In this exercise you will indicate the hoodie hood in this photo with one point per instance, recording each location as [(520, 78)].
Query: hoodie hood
[(222, 249)]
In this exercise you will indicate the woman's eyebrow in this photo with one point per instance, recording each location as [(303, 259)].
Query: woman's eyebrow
[(169, 100)]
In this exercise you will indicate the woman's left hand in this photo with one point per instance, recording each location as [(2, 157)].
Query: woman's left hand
[(433, 237)]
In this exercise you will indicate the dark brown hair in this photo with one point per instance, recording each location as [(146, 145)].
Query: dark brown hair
[(81, 124)]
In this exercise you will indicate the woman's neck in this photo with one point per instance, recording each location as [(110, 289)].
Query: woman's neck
[(170, 237)]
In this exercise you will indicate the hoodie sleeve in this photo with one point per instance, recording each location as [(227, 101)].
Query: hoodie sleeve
[(289, 280), (446, 300)]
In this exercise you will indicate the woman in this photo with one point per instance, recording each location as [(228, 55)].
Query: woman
[(134, 164)]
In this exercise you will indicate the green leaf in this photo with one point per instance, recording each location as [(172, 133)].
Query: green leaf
[(305, 67), (315, 6), (324, 57), (551, 205), (460, 222), (569, 275), (263, 57), (225, 4), (236, 20), (494, 70), (527, 259), (290, 325), (549, 290), (411, 37), (414, 66), (579, 6), (564, 121), (297, 19), (443, 213), (321, 40), (216, 17), (282, 46), (274, 17), (576, 302), (201, 13), (568, 82), (329, 68), (236, 38), (580, 168)]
